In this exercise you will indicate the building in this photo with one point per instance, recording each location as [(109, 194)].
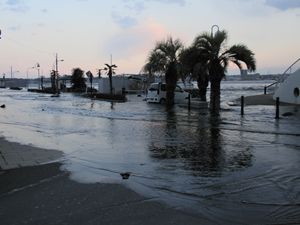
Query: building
[(122, 82)]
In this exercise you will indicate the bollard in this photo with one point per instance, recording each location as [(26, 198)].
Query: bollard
[(277, 108), (265, 90), (242, 105), (189, 102)]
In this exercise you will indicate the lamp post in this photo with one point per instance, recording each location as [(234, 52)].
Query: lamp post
[(56, 72), (12, 72), (38, 71), (212, 29), (3, 81), (27, 71), (99, 72)]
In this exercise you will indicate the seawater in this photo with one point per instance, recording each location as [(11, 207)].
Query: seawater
[(231, 169)]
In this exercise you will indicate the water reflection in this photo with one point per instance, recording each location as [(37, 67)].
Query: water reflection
[(198, 147)]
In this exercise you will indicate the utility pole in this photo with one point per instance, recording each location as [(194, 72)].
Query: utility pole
[(56, 63), (56, 74), (38, 70)]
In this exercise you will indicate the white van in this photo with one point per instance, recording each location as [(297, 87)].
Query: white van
[(157, 94)]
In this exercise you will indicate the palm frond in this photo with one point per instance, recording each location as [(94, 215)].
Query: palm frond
[(241, 53), (203, 41), (164, 53)]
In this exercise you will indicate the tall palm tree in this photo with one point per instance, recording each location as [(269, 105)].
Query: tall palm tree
[(163, 59), (218, 56)]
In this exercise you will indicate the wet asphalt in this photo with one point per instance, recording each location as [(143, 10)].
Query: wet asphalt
[(45, 195)]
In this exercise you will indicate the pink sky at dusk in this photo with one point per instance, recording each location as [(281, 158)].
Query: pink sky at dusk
[(85, 33)]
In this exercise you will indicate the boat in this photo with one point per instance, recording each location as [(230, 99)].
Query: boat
[(288, 86), (55, 95), (16, 88)]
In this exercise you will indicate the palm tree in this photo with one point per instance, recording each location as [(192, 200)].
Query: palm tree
[(110, 73), (163, 59), (78, 80), (193, 63), (218, 56)]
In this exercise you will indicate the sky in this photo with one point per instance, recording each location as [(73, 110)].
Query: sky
[(88, 33)]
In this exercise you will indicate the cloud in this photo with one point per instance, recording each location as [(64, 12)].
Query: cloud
[(16, 5), (40, 25), (124, 21), (130, 47), (136, 40), (138, 5), (14, 28), (283, 4), (179, 2), (135, 7)]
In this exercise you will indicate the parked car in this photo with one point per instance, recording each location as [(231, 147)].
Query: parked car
[(157, 94)]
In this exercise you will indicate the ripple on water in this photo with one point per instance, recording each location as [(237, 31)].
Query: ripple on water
[(231, 170)]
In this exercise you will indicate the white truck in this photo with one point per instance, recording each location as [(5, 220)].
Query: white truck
[(157, 94)]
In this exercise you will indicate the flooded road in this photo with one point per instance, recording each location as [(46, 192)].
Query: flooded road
[(231, 170)]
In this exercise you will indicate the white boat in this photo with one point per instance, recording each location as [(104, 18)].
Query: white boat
[(288, 87)]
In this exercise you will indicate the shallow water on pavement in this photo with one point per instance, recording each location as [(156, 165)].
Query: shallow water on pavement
[(231, 170)]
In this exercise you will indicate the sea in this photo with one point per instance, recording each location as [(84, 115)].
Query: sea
[(231, 170)]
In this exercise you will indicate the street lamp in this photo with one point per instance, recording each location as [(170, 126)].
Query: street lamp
[(12, 72), (99, 72), (27, 71), (212, 29), (56, 72), (38, 69), (3, 81)]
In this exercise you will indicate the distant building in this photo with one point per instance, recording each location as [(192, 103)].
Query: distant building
[(244, 73), (246, 76), (126, 82)]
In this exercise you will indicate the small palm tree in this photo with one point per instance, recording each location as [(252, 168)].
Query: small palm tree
[(193, 63), (78, 80), (110, 73), (163, 59), (218, 57)]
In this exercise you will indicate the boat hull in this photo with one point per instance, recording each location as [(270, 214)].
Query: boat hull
[(288, 90)]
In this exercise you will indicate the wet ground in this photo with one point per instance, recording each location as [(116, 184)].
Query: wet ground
[(230, 169)]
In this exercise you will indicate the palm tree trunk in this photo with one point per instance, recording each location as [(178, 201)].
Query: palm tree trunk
[(110, 82), (170, 94), (215, 92), (171, 80), (202, 89)]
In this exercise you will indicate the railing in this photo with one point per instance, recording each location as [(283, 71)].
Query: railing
[(282, 77), (285, 74), (270, 85)]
